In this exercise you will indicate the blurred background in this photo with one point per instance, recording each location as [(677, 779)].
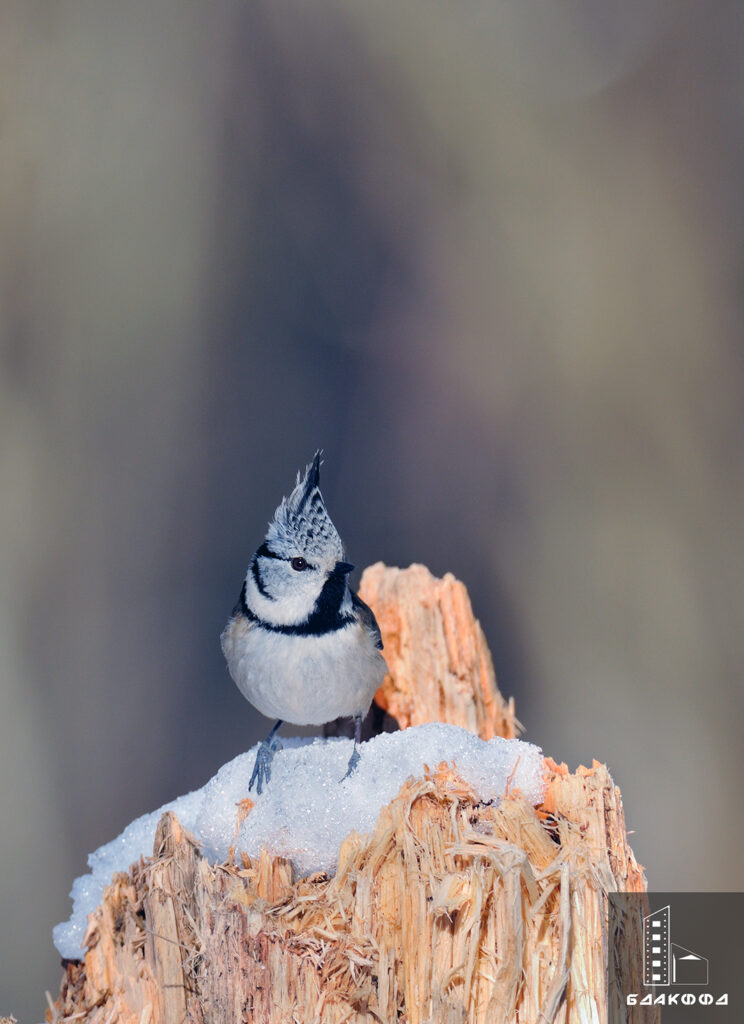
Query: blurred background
[(489, 256)]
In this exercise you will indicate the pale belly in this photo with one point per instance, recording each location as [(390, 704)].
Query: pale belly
[(305, 680)]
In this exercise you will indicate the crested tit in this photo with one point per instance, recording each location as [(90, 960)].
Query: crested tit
[(301, 646)]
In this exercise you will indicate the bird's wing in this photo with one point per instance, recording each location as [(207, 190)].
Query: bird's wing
[(367, 618)]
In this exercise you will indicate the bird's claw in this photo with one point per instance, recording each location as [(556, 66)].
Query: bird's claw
[(262, 768), (353, 762)]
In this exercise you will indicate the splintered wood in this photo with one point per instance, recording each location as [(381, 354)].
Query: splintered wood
[(451, 911), (440, 668)]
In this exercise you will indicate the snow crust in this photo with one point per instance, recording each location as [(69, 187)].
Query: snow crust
[(305, 812)]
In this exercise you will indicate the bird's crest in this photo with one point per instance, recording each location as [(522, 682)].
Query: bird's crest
[(301, 522)]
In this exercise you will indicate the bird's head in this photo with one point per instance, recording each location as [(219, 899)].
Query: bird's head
[(301, 558)]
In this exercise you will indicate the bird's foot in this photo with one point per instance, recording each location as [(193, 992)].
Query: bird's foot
[(353, 762), (262, 768), (354, 759)]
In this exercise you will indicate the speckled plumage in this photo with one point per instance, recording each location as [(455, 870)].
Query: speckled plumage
[(301, 522)]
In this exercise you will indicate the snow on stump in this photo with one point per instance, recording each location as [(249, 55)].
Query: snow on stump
[(452, 908)]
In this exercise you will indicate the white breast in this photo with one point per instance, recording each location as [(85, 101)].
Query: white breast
[(305, 680)]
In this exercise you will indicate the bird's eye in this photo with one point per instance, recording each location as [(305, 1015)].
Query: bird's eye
[(299, 564)]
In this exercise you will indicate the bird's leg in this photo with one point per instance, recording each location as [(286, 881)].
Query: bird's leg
[(354, 759), (262, 768)]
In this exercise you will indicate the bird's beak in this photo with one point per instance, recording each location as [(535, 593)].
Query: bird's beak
[(343, 568)]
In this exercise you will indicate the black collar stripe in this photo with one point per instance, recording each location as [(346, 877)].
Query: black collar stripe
[(308, 628)]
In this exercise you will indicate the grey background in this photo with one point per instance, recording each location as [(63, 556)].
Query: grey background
[(487, 255)]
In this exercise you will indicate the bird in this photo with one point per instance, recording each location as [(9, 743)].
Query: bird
[(300, 644)]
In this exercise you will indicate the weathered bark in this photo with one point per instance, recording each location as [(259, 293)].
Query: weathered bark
[(452, 910)]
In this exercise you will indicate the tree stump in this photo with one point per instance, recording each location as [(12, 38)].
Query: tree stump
[(452, 910)]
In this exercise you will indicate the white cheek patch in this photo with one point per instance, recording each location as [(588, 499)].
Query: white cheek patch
[(291, 597)]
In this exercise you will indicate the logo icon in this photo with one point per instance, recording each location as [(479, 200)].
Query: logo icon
[(665, 962)]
